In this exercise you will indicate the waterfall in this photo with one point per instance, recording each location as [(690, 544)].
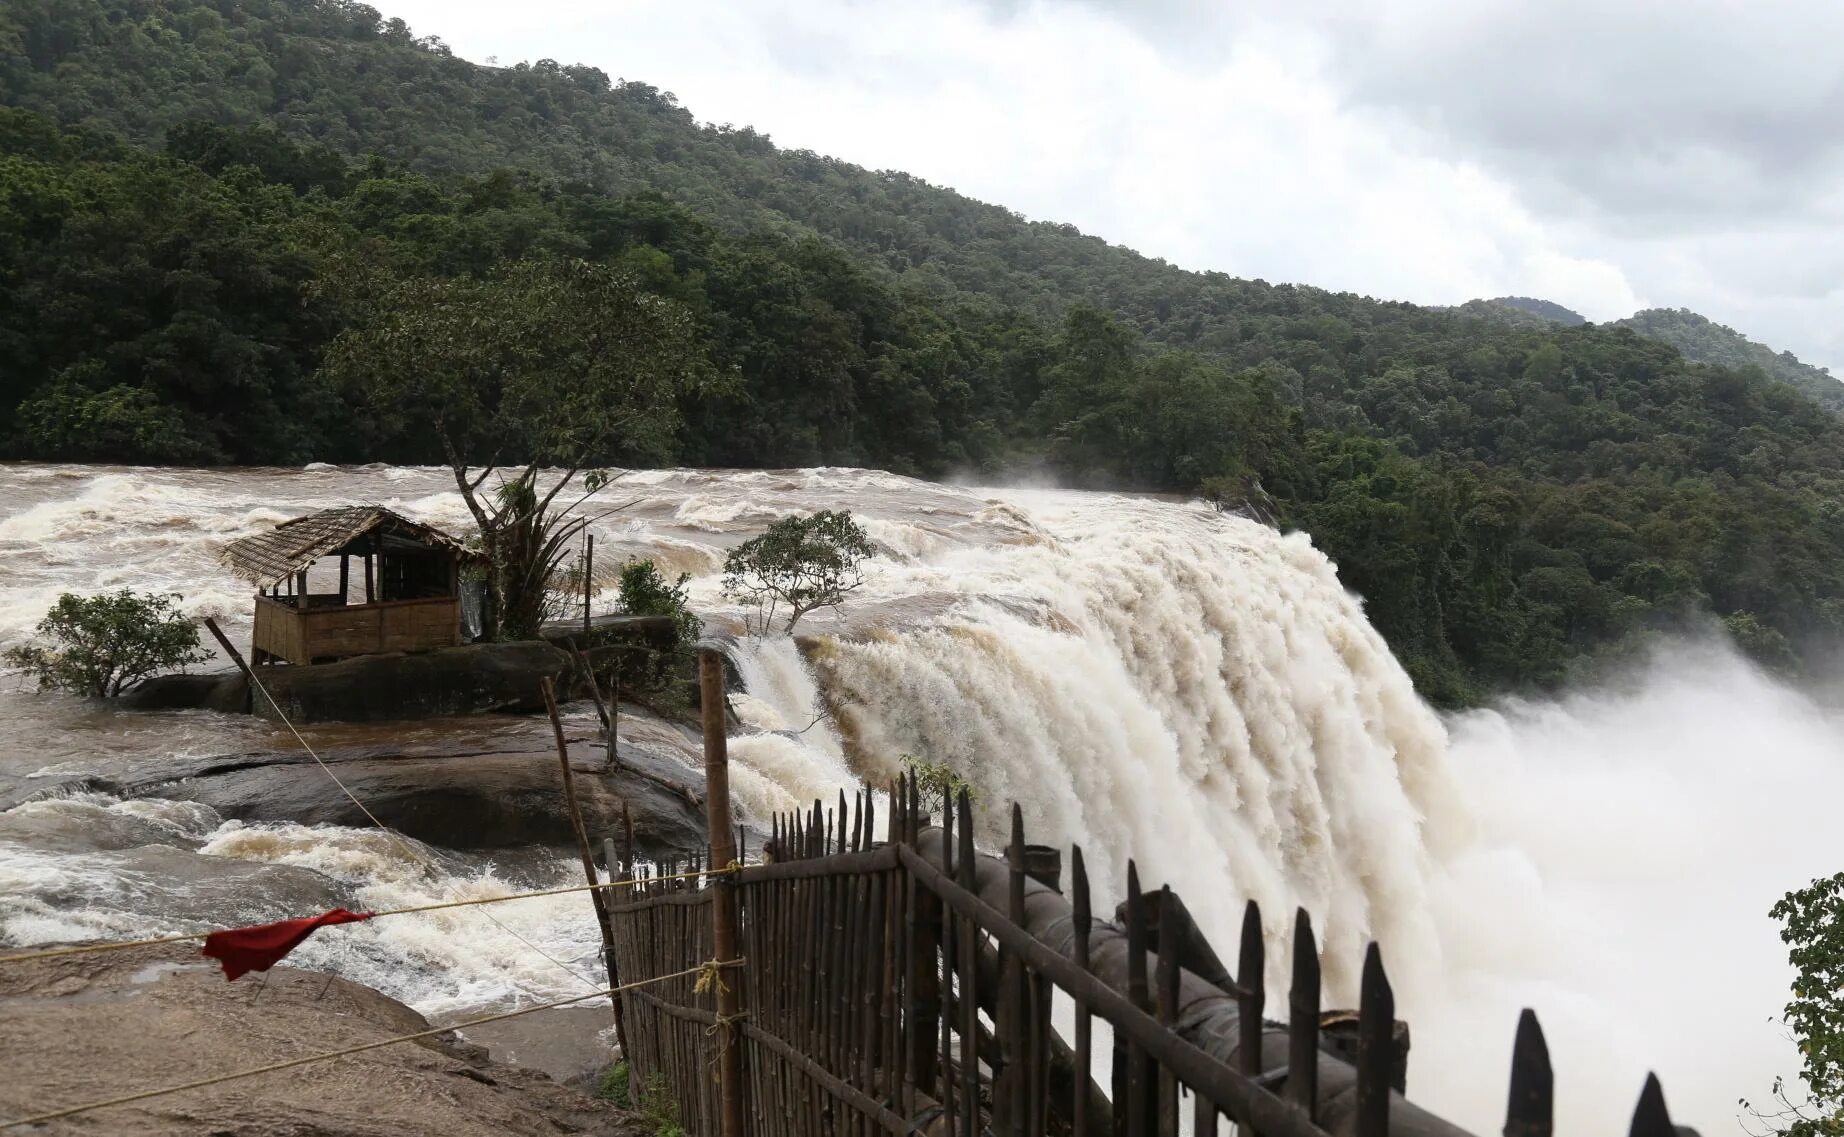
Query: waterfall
[(1148, 678), (1184, 687)]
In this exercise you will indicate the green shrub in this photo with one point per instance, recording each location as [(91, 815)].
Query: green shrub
[(938, 784), (614, 1085), (657, 1106), (644, 592), (98, 645)]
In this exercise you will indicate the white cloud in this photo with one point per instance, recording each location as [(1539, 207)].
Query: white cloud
[(1424, 157)]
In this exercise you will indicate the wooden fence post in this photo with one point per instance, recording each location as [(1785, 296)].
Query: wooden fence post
[(723, 900), (588, 572)]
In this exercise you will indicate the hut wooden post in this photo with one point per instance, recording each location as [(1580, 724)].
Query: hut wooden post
[(723, 900), (345, 573), (371, 592)]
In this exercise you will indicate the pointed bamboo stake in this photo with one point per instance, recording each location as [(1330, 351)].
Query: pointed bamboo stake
[(1303, 1019), (1530, 1110), (1376, 1025)]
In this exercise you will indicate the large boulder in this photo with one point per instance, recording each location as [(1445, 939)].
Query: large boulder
[(226, 691), (379, 688), (490, 794)]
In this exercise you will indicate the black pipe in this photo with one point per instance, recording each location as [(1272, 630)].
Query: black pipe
[(1207, 1017)]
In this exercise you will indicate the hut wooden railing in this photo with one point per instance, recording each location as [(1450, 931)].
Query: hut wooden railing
[(305, 629), (911, 985)]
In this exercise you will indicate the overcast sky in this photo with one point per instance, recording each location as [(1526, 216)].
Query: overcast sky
[(1608, 156)]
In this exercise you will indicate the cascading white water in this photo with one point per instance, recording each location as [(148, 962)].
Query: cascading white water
[(1149, 679), (1187, 688)]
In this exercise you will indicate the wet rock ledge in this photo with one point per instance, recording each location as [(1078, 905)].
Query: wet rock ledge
[(478, 794)]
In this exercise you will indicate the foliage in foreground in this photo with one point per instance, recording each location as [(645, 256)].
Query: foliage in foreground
[(655, 1104), (1812, 926), (98, 645), (613, 1085), (797, 565)]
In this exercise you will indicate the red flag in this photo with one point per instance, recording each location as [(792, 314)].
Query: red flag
[(261, 947)]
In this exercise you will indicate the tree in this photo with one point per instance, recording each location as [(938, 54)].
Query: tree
[(1812, 925), (558, 364), (802, 563), (67, 420), (100, 644)]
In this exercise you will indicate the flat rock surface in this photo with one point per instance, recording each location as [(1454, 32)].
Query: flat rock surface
[(466, 795), (81, 1029), (571, 1044)]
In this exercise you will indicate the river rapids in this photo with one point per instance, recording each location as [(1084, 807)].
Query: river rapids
[(1148, 678)]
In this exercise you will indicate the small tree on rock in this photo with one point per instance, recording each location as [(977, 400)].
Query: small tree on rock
[(98, 645), (799, 564)]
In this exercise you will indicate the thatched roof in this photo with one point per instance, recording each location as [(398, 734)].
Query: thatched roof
[(265, 559)]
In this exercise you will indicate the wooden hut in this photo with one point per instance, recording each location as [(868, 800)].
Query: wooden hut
[(410, 574)]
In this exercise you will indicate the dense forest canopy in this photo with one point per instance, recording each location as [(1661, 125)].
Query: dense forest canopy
[(196, 198)]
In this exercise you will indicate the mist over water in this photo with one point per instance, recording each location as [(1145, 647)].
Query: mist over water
[(1633, 840), (1148, 678)]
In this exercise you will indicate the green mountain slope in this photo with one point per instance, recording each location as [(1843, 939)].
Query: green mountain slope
[(1697, 337), (186, 188), (1546, 309), (333, 74), (1705, 341)]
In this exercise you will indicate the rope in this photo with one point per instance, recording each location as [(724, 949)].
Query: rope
[(409, 848), (710, 966), (310, 752), (123, 945)]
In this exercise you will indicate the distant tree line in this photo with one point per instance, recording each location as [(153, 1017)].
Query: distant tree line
[(198, 200)]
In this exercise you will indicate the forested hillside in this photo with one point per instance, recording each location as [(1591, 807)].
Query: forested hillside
[(189, 190), (1698, 338), (1705, 341)]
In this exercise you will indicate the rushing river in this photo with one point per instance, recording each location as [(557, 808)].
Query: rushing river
[(1148, 678)]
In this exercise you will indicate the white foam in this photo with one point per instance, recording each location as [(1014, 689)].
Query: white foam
[(438, 961)]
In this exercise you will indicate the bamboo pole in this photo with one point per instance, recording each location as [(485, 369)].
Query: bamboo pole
[(230, 649), (723, 906), (582, 844)]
